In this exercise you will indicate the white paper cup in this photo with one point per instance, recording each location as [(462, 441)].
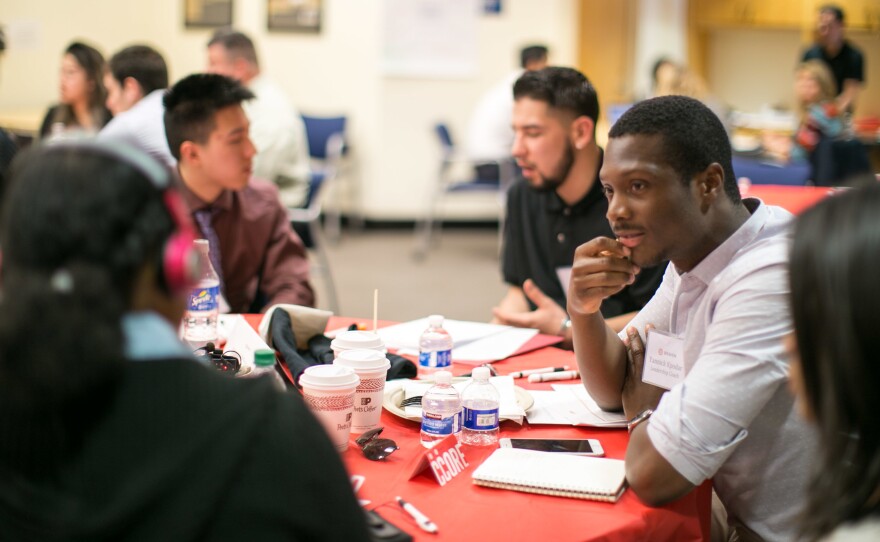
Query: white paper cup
[(329, 390), (372, 368), (357, 340)]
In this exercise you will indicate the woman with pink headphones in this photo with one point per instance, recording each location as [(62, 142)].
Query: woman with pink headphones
[(109, 428)]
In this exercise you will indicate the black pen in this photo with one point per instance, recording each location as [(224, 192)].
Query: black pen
[(542, 370), (421, 519)]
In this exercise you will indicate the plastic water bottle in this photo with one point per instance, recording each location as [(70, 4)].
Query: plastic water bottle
[(441, 410), (435, 347), (200, 320), (480, 400), (264, 365)]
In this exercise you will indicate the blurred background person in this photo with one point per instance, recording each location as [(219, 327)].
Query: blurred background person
[(277, 129), (109, 428), (846, 62), (835, 367), (136, 79), (490, 129), (81, 106)]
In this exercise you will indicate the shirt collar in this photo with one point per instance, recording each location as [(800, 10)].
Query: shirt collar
[(194, 203), (148, 336), (719, 258)]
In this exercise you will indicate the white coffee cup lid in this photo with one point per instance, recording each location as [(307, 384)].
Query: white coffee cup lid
[(363, 359), (329, 376), (351, 340)]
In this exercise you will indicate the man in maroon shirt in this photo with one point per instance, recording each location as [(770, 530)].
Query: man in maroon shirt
[(259, 258)]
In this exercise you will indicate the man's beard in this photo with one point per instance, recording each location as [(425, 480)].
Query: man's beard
[(551, 182)]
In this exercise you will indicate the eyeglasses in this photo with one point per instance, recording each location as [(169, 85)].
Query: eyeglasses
[(226, 362), (374, 448)]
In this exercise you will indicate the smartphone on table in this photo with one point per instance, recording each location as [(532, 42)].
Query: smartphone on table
[(590, 446)]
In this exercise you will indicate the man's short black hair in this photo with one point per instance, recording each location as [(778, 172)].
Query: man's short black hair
[(693, 136), (190, 106), (565, 89), (532, 53), (236, 43), (143, 64), (835, 10)]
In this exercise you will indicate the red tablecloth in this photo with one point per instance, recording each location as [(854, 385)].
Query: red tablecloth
[(464, 511), (795, 199)]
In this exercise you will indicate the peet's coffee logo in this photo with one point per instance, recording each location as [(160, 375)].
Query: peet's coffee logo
[(365, 406)]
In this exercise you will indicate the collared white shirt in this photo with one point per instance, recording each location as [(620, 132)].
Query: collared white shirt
[(732, 419)]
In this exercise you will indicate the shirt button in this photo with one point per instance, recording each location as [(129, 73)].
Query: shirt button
[(566, 211), (560, 237)]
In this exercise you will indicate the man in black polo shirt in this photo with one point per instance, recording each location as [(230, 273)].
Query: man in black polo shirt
[(558, 205), (845, 61)]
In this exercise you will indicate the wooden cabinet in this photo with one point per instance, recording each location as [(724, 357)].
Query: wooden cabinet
[(750, 13), (800, 14)]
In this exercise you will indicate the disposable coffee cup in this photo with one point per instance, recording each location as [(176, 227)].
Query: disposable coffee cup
[(372, 368), (329, 390), (357, 340)]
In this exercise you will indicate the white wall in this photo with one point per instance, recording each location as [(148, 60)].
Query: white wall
[(337, 71), (661, 31)]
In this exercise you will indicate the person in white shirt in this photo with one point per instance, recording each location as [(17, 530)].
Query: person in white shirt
[(490, 131), (716, 324), (277, 129), (136, 79), (834, 367)]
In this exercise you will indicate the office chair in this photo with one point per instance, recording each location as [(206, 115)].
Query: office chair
[(327, 144), (318, 131), (486, 176)]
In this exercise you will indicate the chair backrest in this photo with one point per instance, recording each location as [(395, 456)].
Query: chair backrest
[(319, 130)]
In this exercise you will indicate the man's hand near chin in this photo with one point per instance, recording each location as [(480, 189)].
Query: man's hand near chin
[(548, 318)]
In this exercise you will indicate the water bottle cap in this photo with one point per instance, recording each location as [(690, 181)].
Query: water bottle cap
[(263, 358), (443, 377), (480, 373), (435, 320)]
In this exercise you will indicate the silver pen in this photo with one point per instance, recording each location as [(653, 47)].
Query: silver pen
[(421, 519)]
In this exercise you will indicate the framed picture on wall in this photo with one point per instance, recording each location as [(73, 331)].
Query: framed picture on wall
[(207, 13), (294, 15)]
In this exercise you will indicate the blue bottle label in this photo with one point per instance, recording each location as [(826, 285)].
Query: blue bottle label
[(204, 299), (437, 425), (439, 359), (480, 420)]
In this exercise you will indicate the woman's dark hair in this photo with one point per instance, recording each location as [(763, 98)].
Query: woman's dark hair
[(91, 60), (835, 297), (76, 229)]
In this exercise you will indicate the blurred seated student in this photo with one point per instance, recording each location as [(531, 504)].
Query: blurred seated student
[(82, 95), (136, 79), (819, 138), (260, 259), (109, 429), (835, 366)]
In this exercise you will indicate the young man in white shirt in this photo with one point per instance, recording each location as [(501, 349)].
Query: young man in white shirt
[(721, 313)]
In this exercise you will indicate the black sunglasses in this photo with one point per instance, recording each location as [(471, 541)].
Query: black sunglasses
[(228, 362), (376, 448)]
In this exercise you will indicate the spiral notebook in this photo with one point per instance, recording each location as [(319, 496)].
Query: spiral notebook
[(562, 475)]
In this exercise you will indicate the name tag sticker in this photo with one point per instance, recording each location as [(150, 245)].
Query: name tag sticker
[(664, 360)]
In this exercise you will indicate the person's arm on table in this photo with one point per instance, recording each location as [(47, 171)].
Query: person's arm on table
[(600, 269), (649, 474), (548, 318)]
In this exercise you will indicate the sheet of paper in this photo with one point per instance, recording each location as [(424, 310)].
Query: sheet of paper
[(570, 404), (472, 341), (242, 339)]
